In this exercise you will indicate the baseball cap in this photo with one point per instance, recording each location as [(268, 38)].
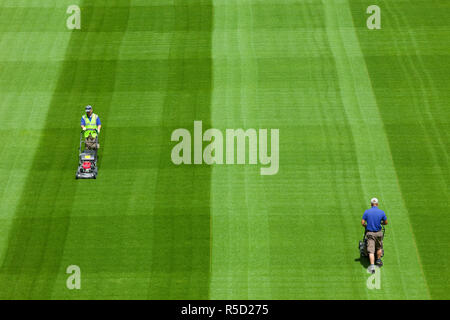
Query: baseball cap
[(374, 200), (88, 108)]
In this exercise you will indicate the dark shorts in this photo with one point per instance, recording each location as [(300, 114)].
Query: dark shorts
[(374, 241)]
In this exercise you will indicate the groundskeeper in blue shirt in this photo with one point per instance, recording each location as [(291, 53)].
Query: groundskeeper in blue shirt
[(373, 217), (83, 122), (90, 123), (371, 221)]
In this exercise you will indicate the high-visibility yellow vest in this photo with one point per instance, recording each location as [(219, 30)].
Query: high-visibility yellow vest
[(90, 125)]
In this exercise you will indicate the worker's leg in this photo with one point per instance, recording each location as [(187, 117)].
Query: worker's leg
[(379, 252), (90, 143), (371, 247), (371, 251), (95, 145), (379, 247), (372, 258)]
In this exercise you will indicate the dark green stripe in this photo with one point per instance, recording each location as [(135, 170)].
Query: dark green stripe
[(181, 219), (42, 218)]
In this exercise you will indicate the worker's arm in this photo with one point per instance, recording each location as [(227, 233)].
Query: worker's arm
[(384, 220), (99, 124), (364, 219), (83, 127)]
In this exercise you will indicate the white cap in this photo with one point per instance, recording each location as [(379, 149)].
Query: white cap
[(374, 200)]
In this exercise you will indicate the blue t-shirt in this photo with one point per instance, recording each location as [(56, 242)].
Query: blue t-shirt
[(373, 217)]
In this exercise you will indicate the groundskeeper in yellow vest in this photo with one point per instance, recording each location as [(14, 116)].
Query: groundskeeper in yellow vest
[(90, 122)]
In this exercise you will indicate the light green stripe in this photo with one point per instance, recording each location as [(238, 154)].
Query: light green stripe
[(240, 257)]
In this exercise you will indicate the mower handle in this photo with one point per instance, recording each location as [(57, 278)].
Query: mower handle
[(82, 131)]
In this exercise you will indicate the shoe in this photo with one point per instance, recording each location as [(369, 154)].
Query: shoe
[(379, 263), (371, 269)]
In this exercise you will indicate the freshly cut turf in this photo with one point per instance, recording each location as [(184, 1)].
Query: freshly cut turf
[(408, 62), (145, 222), (43, 214), (181, 216), (361, 113), (299, 229)]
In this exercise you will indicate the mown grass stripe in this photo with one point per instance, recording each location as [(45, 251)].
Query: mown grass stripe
[(376, 167), (181, 218), (429, 100), (42, 218), (272, 233), (409, 77)]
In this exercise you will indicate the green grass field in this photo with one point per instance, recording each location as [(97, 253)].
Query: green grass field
[(361, 113)]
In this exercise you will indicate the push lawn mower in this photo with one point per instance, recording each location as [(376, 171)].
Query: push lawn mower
[(87, 166), (363, 244)]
